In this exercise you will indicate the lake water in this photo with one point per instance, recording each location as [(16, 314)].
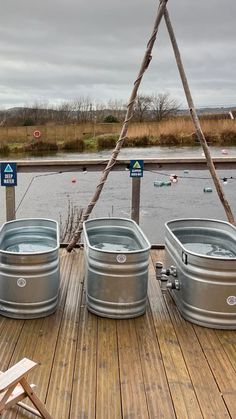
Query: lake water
[(48, 196)]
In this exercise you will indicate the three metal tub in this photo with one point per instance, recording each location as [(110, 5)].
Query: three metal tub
[(116, 257), (202, 253), (29, 268)]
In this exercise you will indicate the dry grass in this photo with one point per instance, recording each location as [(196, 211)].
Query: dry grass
[(176, 131), (181, 131)]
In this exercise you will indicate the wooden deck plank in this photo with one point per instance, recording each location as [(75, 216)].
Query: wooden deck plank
[(39, 334), (60, 386), (154, 366), (134, 402), (25, 348), (228, 341), (207, 391), (157, 391), (182, 390), (221, 366), (10, 330), (83, 404), (108, 400)]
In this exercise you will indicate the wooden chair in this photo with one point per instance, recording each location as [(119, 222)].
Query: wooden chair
[(14, 388)]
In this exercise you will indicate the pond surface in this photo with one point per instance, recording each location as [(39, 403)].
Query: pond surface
[(49, 196)]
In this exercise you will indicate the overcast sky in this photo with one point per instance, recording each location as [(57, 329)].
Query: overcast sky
[(58, 50)]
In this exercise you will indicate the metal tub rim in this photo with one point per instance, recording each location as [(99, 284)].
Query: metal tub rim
[(57, 240), (128, 220), (210, 220)]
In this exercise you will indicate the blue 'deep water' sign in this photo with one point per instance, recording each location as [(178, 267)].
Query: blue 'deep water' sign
[(136, 168), (8, 174)]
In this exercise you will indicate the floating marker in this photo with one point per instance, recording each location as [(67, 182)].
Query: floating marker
[(158, 183), (207, 190), (174, 178), (186, 171), (162, 183)]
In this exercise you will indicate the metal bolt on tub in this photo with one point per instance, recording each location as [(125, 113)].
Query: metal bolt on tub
[(163, 276)]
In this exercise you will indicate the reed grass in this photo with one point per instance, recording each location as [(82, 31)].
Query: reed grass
[(178, 131)]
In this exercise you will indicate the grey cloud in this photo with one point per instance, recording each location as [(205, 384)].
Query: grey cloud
[(61, 49)]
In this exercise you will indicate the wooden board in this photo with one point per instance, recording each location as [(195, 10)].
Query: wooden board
[(155, 366)]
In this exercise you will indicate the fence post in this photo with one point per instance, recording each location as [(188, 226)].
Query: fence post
[(10, 203), (135, 205)]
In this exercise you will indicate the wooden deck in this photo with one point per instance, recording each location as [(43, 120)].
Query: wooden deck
[(154, 366)]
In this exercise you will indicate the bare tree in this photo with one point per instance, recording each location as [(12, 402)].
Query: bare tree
[(83, 109), (163, 106), (100, 112), (117, 108), (142, 107), (64, 112)]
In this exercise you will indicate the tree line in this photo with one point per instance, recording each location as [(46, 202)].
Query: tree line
[(154, 107)]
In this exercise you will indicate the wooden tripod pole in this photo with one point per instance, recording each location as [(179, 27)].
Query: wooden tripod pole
[(196, 121), (129, 114)]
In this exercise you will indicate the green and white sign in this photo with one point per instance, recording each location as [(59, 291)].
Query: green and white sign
[(136, 168)]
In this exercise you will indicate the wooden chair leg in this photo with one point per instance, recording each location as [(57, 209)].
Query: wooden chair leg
[(14, 388), (35, 400)]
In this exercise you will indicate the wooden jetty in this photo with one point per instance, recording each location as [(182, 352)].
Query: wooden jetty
[(155, 366)]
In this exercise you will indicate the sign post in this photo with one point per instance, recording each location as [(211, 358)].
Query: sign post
[(9, 180), (136, 172)]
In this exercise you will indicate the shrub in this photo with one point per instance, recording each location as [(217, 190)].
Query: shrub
[(110, 119), (142, 141), (4, 149), (169, 139), (74, 145), (106, 141), (41, 146), (228, 137), (210, 138), (28, 122)]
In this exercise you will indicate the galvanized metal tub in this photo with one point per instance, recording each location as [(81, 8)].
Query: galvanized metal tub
[(29, 268), (204, 254), (116, 256)]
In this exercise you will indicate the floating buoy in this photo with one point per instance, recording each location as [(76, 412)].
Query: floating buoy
[(207, 190), (158, 183), (73, 180), (162, 183), (224, 151), (186, 171), (173, 178)]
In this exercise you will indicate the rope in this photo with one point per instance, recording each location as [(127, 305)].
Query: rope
[(129, 114), (195, 119)]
